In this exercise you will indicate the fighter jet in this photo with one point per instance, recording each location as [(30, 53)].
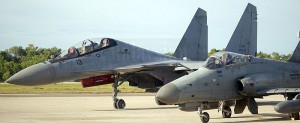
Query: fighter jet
[(227, 76), (104, 62), (244, 39)]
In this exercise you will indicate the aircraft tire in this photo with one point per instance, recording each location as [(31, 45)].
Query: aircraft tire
[(226, 114), (115, 105), (120, 104), (205, 117), (295, 116)]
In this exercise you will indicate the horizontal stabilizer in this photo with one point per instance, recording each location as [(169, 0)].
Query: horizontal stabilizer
[(296, 55), (244, 38), (193, 44)]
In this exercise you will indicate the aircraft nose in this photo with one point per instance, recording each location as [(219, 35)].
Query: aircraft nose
[(38, 74), (168, 94)]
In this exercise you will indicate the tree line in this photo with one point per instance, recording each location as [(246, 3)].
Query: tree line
[(274, 55), (16, 58)]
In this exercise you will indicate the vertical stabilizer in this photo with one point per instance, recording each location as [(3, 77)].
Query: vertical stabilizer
[(193, 44), (244, 38), (296, 55)]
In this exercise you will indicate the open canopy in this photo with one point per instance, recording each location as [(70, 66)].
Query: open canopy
[(85, 47)]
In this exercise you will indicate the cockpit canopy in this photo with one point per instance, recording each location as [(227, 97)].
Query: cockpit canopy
[(85, 47), (220, 59)]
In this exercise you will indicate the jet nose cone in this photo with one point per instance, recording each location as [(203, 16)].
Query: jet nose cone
[(38, 74), (168, 94)]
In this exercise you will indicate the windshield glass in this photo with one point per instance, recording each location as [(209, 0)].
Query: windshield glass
[(85, 47), (220, 59), (213, 62)]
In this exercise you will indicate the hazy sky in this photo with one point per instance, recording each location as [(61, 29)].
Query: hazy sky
[(152, 24)]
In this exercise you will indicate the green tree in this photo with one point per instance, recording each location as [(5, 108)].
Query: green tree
[(276, 56), (285, 57), (263, 55), (16, 58), (214, 50), (17, 51), (169, 53)]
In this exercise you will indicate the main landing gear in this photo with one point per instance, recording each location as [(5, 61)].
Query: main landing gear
[(118, 103), (204, 117), (226, 110)]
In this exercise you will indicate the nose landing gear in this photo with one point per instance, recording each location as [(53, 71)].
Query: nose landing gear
[(118, 103), (226, 112), (204, 117)]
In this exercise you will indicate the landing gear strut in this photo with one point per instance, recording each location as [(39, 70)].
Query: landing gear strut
[(204, 117), (118, 103)]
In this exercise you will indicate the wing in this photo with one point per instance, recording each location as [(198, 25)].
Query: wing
[(174, 65)]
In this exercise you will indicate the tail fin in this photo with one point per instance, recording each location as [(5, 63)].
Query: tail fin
[(296, 55), (193, 44), (244, 38)]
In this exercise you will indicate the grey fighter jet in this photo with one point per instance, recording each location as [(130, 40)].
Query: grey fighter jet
[(103, 61), (229, 76), (244, 39)]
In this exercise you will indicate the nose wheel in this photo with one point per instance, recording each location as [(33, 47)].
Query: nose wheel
[(118, 103), (204, 117), (226, 112)]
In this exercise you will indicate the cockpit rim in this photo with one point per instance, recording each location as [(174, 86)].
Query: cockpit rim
[(235, 58), (112, 43)]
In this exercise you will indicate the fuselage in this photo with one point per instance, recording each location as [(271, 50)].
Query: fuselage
[(88, 59), (221, 82)]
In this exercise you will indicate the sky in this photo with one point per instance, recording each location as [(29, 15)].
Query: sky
[(157, 25)]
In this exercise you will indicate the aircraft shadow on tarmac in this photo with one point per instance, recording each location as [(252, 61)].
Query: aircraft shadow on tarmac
[(259, 118), (268, 103), (132, 109)]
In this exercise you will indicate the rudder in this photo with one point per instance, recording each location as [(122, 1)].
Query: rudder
[(296, 55), (193, 44), (244, 38)]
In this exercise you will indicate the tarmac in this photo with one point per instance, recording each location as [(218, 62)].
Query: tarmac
[(98, 108)]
